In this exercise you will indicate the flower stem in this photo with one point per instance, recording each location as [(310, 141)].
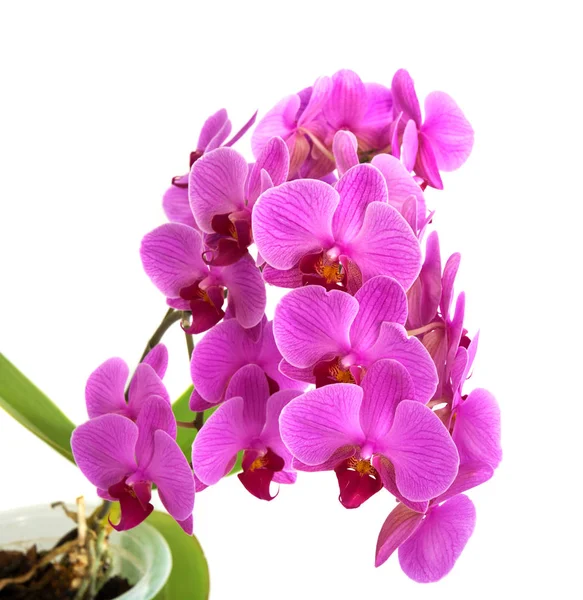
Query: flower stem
[(169, 319), (196, 424)]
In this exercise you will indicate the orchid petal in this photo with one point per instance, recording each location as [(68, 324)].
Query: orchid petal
[(400, 184), (318, 96), (449, 273), (197, 403), (477, 429), (394, 343), (268, 357), (216, 445), (472, 350), (386, 246), (250, 383), (426, 164), (157, 358), (274, 159), (374, 131), (292, 220), (399, 526), (380, 299), (217, 357), (306, 374), (103, 449), (155, 414), (410, 211), (357, 188), (176, 206), (424, 456), (221, 135), (410, 146), (468, 477), (334, 461), (242, 131), (279, 121), (385, 384), (270, 434), (315, 425), (144, 384), (172, 257), (425, 294), (104, 392), (347, 102), (246, 291), (170, 471), (344, 148), (386, 471), (212, 126), (187, 525), (404, 97), (310, 323), (216, 185), (451, 135), (290, 278), (431, 552)]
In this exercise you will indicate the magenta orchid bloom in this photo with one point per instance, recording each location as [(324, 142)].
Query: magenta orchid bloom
[(430, 541), (214, 132), (403, 192), (442, 142), (298, 120), (248, 421), (227, 348), (365, 109), (429, 544), (336, 236), (123, 459), (172, 258), (373, 435), (104, 392), (330, 337), (222, 192)]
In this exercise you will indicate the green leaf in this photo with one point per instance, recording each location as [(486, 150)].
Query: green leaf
[(23, 401), (182, 412), (185, 436), (189, 578)]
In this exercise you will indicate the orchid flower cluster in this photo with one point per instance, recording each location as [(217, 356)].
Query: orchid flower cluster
[(363, 367)]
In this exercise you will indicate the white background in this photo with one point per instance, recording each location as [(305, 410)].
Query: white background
[(101, 104)]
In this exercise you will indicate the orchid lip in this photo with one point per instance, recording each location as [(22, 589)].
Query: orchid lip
[(358, 481)]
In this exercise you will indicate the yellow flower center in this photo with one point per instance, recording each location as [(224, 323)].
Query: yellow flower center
[(258, 463), (341, 375), (361, 466), (331, 273)]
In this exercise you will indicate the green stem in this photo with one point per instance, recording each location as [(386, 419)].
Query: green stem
[(189, 344), (196, 424), (169, 319)]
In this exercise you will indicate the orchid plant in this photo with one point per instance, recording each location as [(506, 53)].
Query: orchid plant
[(363, 367)]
